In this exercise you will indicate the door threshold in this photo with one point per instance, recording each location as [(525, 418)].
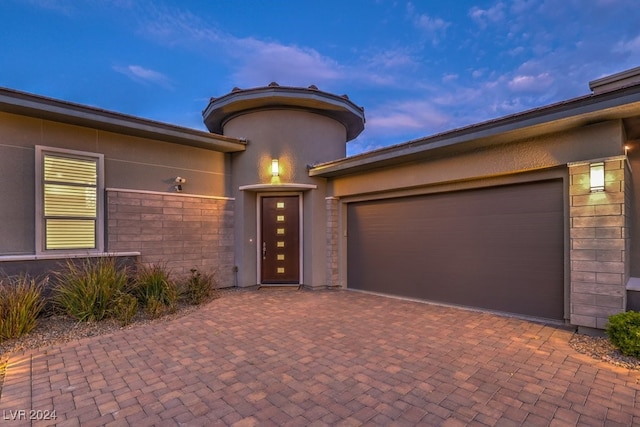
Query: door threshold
[(285, 286)]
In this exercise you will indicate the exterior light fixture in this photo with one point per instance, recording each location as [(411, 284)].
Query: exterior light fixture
[(596, 177), (275, 168), (179, 181)]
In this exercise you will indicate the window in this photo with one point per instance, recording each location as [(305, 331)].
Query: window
[(69, 200)]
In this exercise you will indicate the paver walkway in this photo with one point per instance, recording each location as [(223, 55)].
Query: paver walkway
[(322, 358)]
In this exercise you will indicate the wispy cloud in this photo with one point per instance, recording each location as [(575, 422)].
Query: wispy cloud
[(411, 115), (433, 27), (391, 59), (144, 75), (252, 61), (430, 24), (177, 27), (631, 46), (259, 62), (531, 83), (484, 17), (450, 77)]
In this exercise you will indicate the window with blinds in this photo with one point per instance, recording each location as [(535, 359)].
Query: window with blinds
[(70, 202)]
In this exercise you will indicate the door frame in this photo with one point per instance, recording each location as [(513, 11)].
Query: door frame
[(259, 197)]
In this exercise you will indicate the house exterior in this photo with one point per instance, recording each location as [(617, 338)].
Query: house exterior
[(531, 214)]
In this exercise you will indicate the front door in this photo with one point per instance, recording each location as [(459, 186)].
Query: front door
[(280, 228)]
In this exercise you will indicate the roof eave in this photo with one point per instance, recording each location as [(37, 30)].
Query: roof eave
[(557, 117), (241, 101), (16, 102)]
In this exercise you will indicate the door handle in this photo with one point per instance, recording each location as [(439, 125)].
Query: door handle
[(264, 250)]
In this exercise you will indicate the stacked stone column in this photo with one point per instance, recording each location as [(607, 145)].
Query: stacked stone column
[(599, 239), (333, 279)]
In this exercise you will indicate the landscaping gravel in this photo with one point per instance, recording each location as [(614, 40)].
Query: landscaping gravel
[(600, 348)]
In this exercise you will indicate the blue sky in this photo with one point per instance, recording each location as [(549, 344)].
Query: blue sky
[(417, 67)]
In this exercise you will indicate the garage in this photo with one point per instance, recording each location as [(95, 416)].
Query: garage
[(498, 248)]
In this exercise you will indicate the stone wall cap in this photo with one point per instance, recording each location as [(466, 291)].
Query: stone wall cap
[(633, 284)]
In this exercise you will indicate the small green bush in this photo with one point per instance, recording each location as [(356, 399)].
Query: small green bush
[(155, 290), (623, 330), (125, 308), (21, 302), (199, 288), (88, 291)]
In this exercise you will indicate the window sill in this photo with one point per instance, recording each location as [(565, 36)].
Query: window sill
[(66, 256)]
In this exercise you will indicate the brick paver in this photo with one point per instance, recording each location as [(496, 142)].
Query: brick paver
[(301, 358)]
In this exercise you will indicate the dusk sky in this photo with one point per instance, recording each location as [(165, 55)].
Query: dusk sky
[(417, 67)]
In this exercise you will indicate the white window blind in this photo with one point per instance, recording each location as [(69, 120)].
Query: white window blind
[(70, 190)]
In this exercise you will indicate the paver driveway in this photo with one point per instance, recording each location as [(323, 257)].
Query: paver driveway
[(322, 358)]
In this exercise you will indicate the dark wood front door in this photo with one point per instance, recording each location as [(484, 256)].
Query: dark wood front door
[(280, 218)]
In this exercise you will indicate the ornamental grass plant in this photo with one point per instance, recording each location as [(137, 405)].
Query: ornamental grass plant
[(125, 308), (199, 287), (94, 289), (89, 290), (157, 293), (21, 302)]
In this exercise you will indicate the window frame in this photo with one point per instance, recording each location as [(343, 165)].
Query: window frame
[(40, 228)]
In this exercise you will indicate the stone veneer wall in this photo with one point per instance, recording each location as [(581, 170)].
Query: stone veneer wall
[(332, 242), (600, 243), (185, 231)]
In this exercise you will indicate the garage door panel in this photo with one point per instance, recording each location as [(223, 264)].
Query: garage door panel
[(499, 248)]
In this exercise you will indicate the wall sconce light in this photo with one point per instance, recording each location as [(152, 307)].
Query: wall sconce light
[(179, 181), (275, 168), (596, 177)]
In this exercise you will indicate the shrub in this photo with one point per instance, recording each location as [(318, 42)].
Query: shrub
[(20, 304), (125, 308), (623, 330), (88, 291), (200, 287), (155, 290)]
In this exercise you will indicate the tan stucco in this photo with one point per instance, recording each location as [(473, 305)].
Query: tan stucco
[(595, 141), (297, 139), (130, 162)]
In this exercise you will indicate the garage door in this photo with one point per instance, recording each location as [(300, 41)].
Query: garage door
[(498, 248)]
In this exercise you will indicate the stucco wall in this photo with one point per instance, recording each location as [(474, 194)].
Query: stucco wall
[(130, 163), (296, 139), (590, 142)]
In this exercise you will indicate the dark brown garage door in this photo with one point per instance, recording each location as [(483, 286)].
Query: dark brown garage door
[(499, 248)]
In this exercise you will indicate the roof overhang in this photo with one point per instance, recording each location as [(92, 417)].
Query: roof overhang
[(243, 101), (619, 104), (22, 103)]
